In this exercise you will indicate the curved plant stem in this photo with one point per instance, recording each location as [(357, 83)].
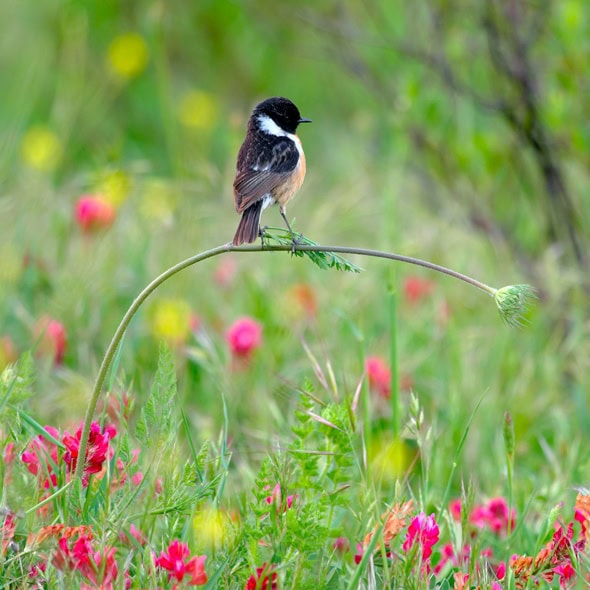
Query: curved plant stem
[(114, 344)]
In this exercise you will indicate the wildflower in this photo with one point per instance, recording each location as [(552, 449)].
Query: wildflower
[(8, 353), (276, 498), (41, 148), (225, 272), (93, 213), (301, 301), (171, 320), (128, 55), (113, 186), (416, 289), (51, 335), (208, 525), (499, 518), (7, 531), (341, 545), (394, 521), (244, 337), (175, 561), (97, 452), (264, 579), (198, 110), (134, 533), (424, 531), (100, 569), (379, 375), (358, 556), (41, 458)]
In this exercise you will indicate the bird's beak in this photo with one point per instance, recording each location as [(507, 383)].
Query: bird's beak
[(304, 120)]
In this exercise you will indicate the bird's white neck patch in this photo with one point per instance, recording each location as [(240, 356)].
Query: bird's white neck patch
[(269, 126)]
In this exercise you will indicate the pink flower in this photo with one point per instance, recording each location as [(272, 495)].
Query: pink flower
[(97, 452), (358, 556), (424, 531), (264, 579), (416, 289), (100, 569), (225, 272), (341, 545), (51, 335), (379, 375), (276, 498), (40, 457), (93, 213), (566, 574), (175, 561), (243, 337)]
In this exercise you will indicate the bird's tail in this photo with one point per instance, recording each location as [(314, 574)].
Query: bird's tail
[(249, 226)]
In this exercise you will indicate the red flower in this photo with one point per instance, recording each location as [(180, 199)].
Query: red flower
[(244, 336), (263, 577), (276, 497), (424, 531), (93, 213), (358, 556), (100, 569), (416, 289), (51, 335), (379, 375), (174, 561), (97, 452), (41, 456)]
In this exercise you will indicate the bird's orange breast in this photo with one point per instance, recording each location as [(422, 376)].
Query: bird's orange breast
[(287, 189)]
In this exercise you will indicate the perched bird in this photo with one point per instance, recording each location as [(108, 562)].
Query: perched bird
[(270, 167)]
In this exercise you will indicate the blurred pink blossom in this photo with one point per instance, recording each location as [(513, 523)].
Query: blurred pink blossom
[(93, 213), (244, 337)]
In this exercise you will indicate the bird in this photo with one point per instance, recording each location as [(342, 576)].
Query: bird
[(270, 166)]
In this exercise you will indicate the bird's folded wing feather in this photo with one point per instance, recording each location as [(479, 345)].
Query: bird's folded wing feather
[(264, 171)]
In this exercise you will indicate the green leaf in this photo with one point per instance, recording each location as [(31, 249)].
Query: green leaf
[(325, 260)]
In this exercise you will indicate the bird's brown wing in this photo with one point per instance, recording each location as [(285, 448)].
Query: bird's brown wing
[(265, 168)]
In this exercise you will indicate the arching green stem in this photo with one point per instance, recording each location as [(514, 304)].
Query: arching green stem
[(112, 348)]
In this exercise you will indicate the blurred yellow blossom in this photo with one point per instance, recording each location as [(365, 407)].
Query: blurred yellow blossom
[(390, 458), (128, 55), (12, 265), (158, 201), (210, 527), (198, 110), (41, 148), (170, 320), (114, 186)]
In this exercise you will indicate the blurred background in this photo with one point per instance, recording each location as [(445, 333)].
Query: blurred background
[(454, 131)]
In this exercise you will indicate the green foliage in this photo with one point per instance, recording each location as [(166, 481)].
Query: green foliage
[(155, 428), (16, 387)]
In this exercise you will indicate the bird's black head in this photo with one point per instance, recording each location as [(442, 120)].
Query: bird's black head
[(282, 111)]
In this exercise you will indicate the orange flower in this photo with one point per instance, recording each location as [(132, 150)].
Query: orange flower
[(394, 522)]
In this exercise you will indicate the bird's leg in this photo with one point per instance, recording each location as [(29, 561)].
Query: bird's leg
[(294, 240), (262, 233)]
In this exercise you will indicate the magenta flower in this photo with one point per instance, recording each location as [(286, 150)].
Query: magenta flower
[(424, 531), (264, 579), (97, 452), (175, 561), (93, 213), (244, 337)]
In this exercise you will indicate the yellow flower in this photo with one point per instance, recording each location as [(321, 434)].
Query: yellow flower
[(128, 55), (158, 201), (114, 187), (198, 110), (41, 148), (210, 527), (390, 458), (170, 320)]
